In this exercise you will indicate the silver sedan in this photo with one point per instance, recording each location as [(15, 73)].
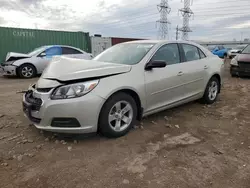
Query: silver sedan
[(121, 85)]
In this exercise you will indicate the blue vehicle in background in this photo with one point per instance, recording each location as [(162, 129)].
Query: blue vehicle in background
[(220, 51)]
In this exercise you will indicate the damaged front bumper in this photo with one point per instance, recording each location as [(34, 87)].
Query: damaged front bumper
[(76, 115), (9, 70)]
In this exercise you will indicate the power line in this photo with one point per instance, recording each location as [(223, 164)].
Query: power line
[(150, 16), (126, 24), (142, 10), (226, 1), (223, 14)]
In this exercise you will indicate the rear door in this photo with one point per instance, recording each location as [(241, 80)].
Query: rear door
[(164, 85), (195, 68)]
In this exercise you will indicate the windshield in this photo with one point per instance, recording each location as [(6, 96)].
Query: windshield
[(246, 50), (125, 53), (240, 47), (36, 51)]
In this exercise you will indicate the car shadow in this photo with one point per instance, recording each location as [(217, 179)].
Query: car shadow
[(16, 77), (9, 77), (71, 138), (98, 137), (244, 77)]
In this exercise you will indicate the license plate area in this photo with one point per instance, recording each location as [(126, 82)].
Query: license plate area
[(27, 109)]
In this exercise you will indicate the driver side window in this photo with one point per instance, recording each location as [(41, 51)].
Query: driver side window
[(52, 51), (168, 53)]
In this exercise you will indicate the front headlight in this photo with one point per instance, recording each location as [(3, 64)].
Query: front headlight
[(9, 62), (234, 62), (74, 90)]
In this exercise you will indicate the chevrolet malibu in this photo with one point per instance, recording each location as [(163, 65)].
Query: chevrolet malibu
[(121, 85)]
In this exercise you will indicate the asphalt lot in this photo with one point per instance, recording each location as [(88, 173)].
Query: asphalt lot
[(193, 145)]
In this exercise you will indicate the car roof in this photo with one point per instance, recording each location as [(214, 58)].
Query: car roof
[(163, 41), (48, 46)]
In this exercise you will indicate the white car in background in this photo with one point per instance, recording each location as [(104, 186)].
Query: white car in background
[(232, 53), (33, 63)]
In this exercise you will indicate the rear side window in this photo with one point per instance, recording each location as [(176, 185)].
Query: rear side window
[(191, 52), (202, 55), (67, 50), (52, 51), (168, 53)]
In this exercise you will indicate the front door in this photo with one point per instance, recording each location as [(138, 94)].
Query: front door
[(45, 57), (164, 85)]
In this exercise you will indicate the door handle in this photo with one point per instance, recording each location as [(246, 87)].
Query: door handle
[(205, 67), (180, 73)]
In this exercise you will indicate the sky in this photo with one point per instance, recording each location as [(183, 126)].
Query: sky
[(212, 20)]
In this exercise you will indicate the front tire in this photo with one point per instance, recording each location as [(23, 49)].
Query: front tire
[(211, 92), (26, 71), (233, 74), (118, 115)]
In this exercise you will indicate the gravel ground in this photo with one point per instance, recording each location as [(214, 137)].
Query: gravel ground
[(193, 145)]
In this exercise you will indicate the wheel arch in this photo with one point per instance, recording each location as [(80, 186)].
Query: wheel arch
[(26, 63), (134, 95), (218, 77)]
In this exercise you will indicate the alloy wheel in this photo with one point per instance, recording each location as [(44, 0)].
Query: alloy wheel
[(213, 90), (27, 71), (120, 116)]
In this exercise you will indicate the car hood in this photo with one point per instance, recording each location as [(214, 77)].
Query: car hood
[(68, 69), (15, 56), (235, 50), (243, 57)]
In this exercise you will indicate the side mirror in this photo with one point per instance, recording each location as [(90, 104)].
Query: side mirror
[(155, 64), (43, 54)]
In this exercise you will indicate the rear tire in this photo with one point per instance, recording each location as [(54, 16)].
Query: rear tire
[(211, 92), (26, 71), (115, 120)]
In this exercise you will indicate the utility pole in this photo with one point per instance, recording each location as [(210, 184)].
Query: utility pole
[(186, 13), (164, 10), (177, 33)]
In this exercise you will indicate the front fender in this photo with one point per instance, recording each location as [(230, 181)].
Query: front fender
[(20, 62)]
